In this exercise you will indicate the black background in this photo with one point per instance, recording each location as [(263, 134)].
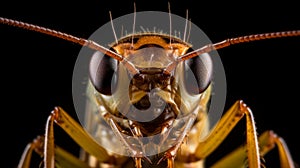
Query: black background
[(36, 70)]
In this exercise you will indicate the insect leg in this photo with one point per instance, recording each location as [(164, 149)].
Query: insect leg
[(267, 142), (224, 127), (36, 146), (62, 157), (75, 131), (66, 159)]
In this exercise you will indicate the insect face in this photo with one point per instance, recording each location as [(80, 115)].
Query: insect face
[(154, 93)]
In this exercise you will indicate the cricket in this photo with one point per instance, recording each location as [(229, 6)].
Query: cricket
[(150, 97)]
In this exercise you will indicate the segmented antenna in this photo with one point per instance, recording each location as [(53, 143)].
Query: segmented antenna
[(228, 42), (237, 40), (81, 41)]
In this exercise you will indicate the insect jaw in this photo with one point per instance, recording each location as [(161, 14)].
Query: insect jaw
[(141, 139)]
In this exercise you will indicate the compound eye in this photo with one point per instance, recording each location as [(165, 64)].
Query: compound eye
[(102, 73), (197, 74)]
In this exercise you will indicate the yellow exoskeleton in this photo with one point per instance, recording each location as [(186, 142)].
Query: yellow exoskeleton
[(148, 99)]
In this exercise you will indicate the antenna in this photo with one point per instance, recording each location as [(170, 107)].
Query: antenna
[(237, 40), (228, 42), (81, 41)]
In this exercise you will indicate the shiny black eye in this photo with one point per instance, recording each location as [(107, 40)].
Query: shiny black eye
[(102, 73), (198, 74)]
